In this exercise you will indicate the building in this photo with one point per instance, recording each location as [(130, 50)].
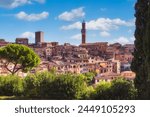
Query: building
[(3, 42), (54, 43), (39, 37), (23, 41), (108, 61), (128, 75), (107, 77), (95, 49), (124, 57), (83, 32), (130, 47)]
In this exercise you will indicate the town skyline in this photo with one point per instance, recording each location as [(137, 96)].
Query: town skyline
[(107, 61), (112, 60), (105, 23)]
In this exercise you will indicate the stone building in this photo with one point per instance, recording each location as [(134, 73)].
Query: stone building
[(3, 42), (95, 49), (39, 37), (23, 41)]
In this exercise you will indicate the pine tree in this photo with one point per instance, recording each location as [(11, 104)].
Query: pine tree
[(139, 63)]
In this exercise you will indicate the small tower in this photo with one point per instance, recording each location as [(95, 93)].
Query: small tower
[(83, 32), (39, 37)]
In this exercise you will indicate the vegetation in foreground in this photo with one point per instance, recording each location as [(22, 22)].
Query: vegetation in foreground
[(141, 62), (49, 85)]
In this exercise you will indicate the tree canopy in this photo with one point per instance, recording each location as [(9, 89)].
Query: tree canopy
[(118, 89), (47, 85), (20, 57), (141, 62)]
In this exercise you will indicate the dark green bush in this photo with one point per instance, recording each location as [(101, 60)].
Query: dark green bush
[(35, 85), (11, 85), (67, 86), (30, 84), (89, 76), (89, 93), (119, 89), (50, 86), (123, 90), (103, 91)]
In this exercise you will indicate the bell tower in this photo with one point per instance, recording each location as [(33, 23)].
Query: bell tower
[(83, 32)]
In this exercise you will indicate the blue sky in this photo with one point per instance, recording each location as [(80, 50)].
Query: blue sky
[(107, 20)]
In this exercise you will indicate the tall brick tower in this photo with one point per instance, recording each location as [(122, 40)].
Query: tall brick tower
[(83, 32), (39, 37)]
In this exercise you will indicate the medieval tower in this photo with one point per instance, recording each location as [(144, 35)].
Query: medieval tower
[(83, 32)]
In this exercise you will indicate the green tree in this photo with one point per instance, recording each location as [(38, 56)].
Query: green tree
[(89, 77), (140, 61), (118, 89), (89, 93), (103, 91), (51, 86), (20, 56), (122, 89), (147, 53), (11, 85), (68, 86)]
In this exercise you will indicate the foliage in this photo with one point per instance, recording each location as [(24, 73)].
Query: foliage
[(11, 85), (49, 86), (123, 90), (89, 77), (147, 53), (103, 91), (30, 86), (119, 89), (89, 93), (33, 83), (140, 64), (20, 56), (69, 86)]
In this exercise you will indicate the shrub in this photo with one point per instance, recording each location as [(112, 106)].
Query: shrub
[(123, 90), (89, 93), (50, 86), (11, 85), (118, 89), (35, 85), (89, 77), (103, 91)]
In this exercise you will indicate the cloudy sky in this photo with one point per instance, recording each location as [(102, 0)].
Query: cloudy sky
[(107, 20)]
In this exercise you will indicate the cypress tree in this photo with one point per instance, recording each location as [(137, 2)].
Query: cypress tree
[(147, 52), (139, 63)]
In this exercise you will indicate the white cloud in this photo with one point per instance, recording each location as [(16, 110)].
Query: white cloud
[(17, 3), (132, 39), (32, 17), (106, 24), (76, 37), (29, 35), (104, 34), (103, 24), (72, 15), (76, 25), (122, 40)]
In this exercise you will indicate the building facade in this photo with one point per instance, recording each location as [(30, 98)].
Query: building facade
[(39, 37)]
